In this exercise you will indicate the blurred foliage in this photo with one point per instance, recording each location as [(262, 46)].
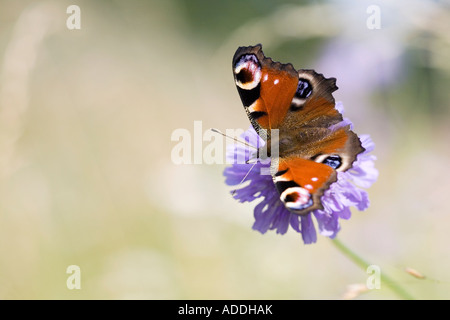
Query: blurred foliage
[(86, 118), (213, 20)]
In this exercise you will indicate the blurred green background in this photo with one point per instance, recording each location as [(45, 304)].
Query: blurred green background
[(86, 176)]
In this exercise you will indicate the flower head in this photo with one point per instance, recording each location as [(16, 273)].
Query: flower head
[(271, 214)]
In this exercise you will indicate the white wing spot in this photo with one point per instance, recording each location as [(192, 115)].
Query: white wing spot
[(276, 81), (314, 179)]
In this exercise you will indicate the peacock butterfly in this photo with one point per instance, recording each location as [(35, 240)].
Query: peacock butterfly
[(314, 142)]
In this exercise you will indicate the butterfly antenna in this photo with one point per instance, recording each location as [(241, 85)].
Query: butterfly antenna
[(244, 143), (233, 138), (243, 179)]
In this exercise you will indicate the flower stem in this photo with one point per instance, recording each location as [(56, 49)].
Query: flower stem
[(364, 265)]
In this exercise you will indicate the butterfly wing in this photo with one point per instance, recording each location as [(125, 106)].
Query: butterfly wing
[(266, 88), (301, 183), (314, 129)]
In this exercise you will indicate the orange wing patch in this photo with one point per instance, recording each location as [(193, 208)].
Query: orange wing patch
[(277, 89), (301, 183)]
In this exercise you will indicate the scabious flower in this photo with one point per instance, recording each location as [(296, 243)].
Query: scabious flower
[(271, 214)]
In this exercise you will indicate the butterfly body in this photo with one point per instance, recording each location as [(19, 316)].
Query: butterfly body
[(312, 139)]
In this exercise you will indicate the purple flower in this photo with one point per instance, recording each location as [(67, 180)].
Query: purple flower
[(270, 213)]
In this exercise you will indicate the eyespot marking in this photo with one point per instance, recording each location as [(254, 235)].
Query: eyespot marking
[(247, 72), (333, 161), (296, 198), (304, 89)]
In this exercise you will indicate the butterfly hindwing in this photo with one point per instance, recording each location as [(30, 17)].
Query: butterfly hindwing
[(301, 183)]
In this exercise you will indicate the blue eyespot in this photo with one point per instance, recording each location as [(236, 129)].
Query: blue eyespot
[(333, 161), (304, 89)]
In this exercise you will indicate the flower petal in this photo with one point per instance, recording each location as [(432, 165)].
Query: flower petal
[(308, 230), (328, 223)]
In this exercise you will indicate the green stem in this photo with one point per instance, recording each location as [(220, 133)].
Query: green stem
[(364, 265)]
